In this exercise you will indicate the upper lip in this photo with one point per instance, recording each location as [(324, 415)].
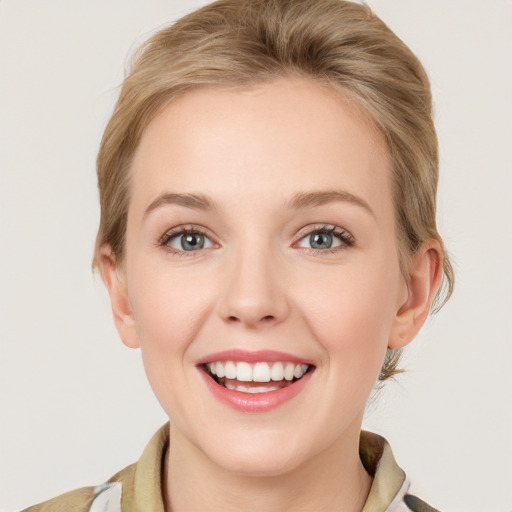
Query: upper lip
[(251, 356)]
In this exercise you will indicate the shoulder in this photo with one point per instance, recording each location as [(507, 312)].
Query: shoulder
[(391, 489), (79, 500), (407, 500), (136, 488), (102, 498)]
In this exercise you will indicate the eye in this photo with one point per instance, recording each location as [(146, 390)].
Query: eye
[(320, 240), (190, 242), (326, 238), (186, 240)]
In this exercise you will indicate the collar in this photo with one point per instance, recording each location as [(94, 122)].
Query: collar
[(379, 462), (143, 490)]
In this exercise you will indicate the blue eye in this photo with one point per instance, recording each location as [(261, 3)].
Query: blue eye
[(326, 238), (189, 241)]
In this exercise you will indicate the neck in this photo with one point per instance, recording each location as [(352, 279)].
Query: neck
[(334, 479)]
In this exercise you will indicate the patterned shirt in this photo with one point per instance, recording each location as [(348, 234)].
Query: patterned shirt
[(137, 488)]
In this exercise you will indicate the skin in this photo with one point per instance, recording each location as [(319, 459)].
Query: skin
[(259, 284)]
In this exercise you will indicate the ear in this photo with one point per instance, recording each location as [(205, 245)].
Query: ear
[(424, 278), (114, 280)]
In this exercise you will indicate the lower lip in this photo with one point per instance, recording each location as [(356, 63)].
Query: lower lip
[(255, 402)]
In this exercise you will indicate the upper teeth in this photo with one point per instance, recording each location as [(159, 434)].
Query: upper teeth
[(257, 372)]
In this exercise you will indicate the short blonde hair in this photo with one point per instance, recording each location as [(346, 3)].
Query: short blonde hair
[(237, 43)]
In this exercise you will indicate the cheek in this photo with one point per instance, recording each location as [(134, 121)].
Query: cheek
[(168, 311), (166, 305), (351, 311)]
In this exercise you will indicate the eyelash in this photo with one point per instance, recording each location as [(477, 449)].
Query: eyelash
[(343, 236), (180, 231)]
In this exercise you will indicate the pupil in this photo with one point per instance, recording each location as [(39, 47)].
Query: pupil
[(192, 241), (321, 241)]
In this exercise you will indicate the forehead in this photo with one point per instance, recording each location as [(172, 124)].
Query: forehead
[(277, 138)]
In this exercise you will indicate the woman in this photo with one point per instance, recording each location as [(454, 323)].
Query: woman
[(268, 239)]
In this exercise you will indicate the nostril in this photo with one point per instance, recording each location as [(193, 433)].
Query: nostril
[(265, 319)]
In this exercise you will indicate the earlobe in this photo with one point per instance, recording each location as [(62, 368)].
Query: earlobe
[(422, 283), (117, 289)]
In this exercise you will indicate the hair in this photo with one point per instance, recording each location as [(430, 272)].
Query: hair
[(239, 43)]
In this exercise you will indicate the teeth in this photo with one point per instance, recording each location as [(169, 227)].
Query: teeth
[(258, 372), (219, 370), (298, 371), (261, 372), (243, 372), (247, 389), (230, 369), (289, 370), (277, 371)]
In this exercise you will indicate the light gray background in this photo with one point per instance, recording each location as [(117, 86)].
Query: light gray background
[(74, 403)]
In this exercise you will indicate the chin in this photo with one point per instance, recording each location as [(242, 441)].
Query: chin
[(257, 455), (260, 465)]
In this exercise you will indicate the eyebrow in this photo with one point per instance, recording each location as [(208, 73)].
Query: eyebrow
[(194, 201), (298, 200), (321, 197)]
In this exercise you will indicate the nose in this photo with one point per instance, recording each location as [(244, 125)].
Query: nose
[(254, 291)]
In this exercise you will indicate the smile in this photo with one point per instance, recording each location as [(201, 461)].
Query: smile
[(248, 377), (255, 382)]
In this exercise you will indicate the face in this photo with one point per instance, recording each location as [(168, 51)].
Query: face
[(261, 272)]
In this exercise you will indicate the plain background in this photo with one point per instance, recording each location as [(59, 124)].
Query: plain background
[(75, 406)]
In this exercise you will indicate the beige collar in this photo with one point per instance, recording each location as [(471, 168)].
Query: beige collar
[(142, 481)]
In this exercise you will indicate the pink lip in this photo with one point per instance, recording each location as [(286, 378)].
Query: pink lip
[(270, 356), (258, 402)]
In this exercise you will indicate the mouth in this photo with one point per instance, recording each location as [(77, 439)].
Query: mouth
[(256, 377)]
